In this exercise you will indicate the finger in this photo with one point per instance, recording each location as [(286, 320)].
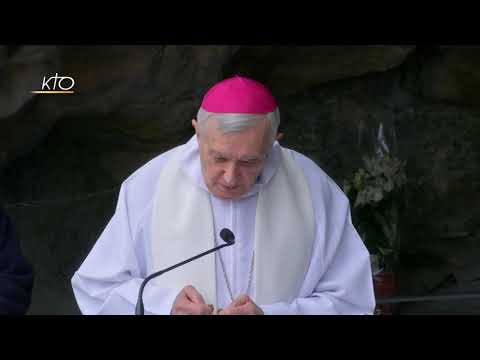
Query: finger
[(233, 311), (179, 312), (208, 310), (241, 300), (180, 309), (225, 311), (193, 295), (198, 309), (192, 309), (247, 309)]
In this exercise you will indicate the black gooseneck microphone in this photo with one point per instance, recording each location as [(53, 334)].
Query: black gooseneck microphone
[(225, 234)]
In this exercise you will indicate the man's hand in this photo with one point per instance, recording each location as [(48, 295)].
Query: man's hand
[(242, 305), (190, 302)]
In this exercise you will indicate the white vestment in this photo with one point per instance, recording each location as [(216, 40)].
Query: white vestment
[(337, 276)]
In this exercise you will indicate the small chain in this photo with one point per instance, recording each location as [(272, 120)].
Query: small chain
[(226, 278)]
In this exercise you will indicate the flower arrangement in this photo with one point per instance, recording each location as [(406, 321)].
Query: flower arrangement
[(375, 192)]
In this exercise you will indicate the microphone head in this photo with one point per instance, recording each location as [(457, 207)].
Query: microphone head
[(227, 236)]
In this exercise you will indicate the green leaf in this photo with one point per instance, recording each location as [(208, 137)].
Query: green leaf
[(385, 251)]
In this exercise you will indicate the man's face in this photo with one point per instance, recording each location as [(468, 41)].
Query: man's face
[(231, 162)]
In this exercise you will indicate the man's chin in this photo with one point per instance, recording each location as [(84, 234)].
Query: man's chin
[(225, 194)]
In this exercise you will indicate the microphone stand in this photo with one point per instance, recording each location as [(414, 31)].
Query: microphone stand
[(139, 309)]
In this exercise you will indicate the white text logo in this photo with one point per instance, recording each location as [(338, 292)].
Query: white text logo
[(56, 85)]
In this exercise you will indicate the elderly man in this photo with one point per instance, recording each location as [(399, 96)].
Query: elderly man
[(296, 250)]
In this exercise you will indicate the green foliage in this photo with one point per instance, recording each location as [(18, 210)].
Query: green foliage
[(375, 192)]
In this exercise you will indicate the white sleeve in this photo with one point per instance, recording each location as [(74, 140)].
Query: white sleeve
[(345, 288), (339, 280), (109, 279)]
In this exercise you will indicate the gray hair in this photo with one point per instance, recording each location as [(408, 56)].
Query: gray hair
[(230, 122)]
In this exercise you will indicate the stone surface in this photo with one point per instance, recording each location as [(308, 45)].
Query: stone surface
[(21, 73), (290, 69), (3, 55), (453, 75)]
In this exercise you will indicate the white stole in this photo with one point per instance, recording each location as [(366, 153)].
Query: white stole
[(182, 227)]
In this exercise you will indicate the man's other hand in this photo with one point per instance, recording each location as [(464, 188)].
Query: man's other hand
[(242, 305), (190, 302)]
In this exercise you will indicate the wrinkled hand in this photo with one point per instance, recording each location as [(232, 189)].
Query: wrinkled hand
[(190, 302), (242, 305)]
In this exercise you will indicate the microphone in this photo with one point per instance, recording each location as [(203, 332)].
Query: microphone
[(226, 235)]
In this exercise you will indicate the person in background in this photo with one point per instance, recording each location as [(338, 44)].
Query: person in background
[(16, 273)]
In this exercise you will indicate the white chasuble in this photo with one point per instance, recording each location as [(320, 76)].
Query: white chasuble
[(183, 226)]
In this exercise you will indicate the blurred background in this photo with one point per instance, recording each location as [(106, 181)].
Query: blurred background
[(63, 157)]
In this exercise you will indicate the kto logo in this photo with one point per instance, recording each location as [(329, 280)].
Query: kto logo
[(56, 85)]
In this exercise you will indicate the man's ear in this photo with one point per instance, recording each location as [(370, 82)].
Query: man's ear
[(195, 126), (279, 136)]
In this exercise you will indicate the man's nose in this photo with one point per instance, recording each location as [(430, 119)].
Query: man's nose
[(229, 175)]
